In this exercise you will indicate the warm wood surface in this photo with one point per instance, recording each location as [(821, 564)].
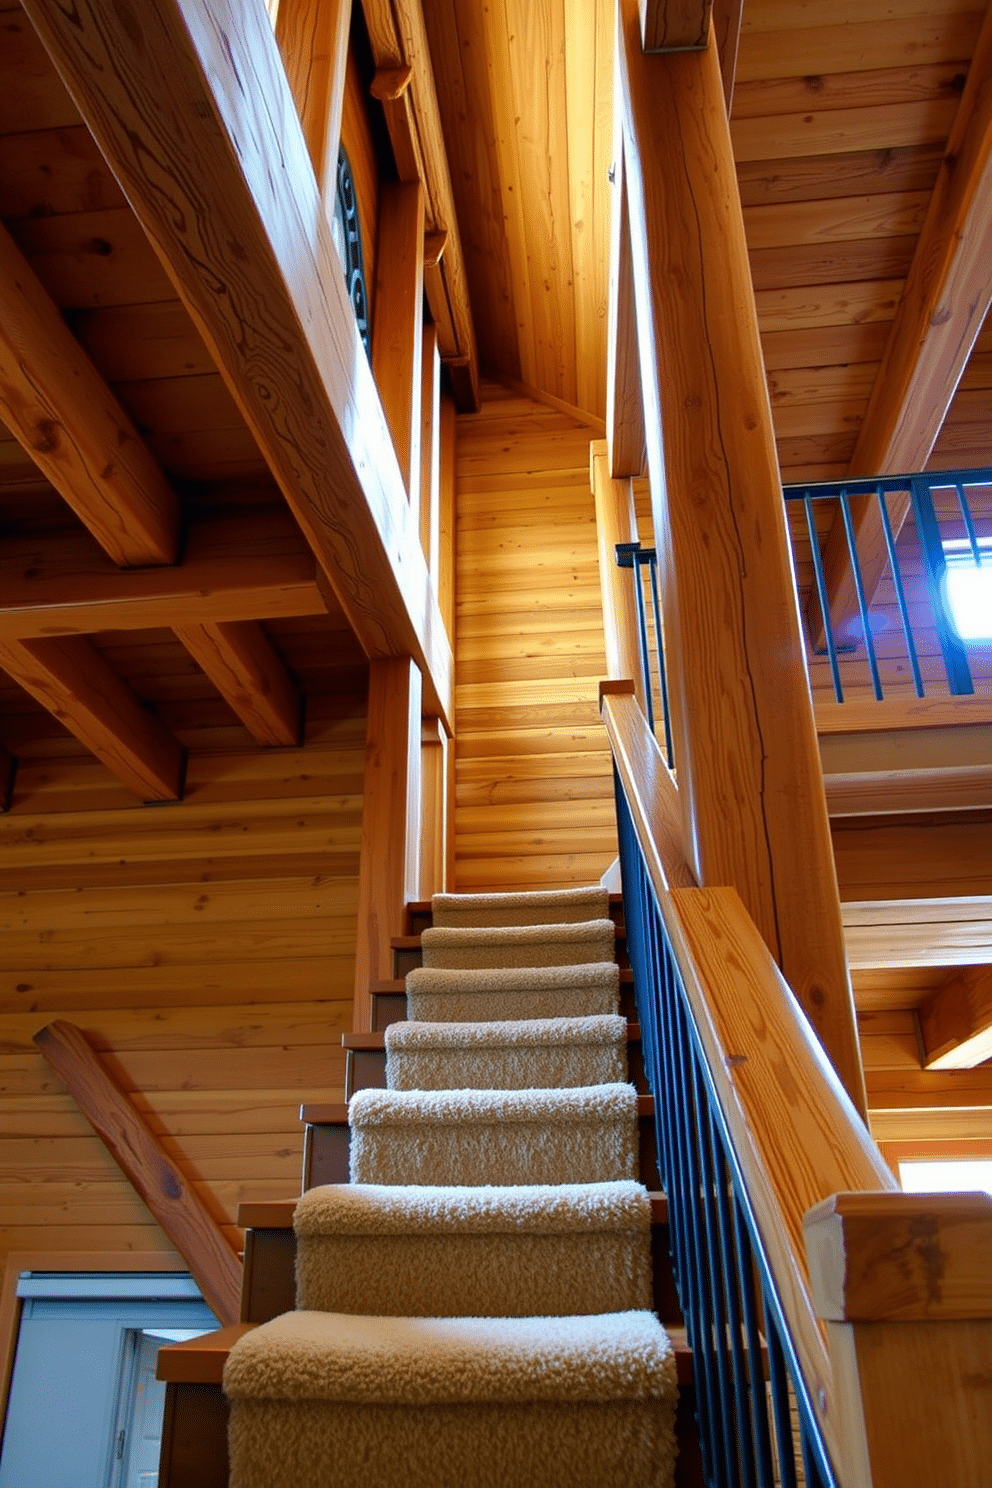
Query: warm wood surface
[(325, 435), (534, 789), (616, 522), (624, 403), (313, 43), (213, 1264), (673, 25), (200, 1361), (750, 782), (956, 1022), (397, 335)]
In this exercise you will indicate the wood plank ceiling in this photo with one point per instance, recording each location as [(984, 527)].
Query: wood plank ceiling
[(841, 115)]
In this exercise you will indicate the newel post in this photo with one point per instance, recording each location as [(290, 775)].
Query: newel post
[(904, 1285)]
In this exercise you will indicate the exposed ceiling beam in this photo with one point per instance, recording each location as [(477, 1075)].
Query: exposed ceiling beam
[(674, 25), (956, 1022), (234, 214), (409, 99), (313, 42), (254, 568), (918, 932), (944, 303), (70, 678), (246, 670), (60, 409)]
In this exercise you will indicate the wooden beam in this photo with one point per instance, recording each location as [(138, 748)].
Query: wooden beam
[(624, 402), (59, 408), (750, 784), (445, 576), (146, 1165), (234, 214), (944, 303), (248, 672), (8, 770), (389, 866), (919, 932), (616, 522), (397, 335), (248, 568), (70, 678), (956, 1022), (430, 451), (399, 46), (313, 41), (674, 25)]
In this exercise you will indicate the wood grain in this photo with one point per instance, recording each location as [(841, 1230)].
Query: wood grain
[(674, 25), (956, 1022), (73, 428), (741, 753), (247, 671), (313, 42), (213, 1264)]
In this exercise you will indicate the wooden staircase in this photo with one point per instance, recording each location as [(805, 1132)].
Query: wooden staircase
[(194, 1437)]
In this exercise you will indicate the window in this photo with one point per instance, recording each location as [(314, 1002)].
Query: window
[(968, 1176), (968, 587)]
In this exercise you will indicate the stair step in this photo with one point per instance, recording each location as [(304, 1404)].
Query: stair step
[(420, 913), (389, 999), (327, 1141), (365, 1059), (407, 950)]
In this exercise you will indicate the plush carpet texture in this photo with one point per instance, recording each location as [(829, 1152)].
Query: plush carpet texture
[(586, 1135), (519, 945), (492, 1252), (319, 1399), (543, 907), (579, 991), (518, 1055)]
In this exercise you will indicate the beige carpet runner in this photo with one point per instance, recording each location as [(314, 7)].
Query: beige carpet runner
[(474, 1307)]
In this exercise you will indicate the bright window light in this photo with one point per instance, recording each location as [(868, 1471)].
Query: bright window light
[(968, 588), (970, 1176)]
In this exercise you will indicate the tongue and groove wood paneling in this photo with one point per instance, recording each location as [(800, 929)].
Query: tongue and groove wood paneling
[(534, 803), (207, 952)]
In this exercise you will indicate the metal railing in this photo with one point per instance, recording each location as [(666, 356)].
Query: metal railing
[(641, 560), (942, 519), (752, 1434)]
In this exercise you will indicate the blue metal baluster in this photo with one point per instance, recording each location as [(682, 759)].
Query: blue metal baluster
[(755, 1353), (821, 589), (731, 1280), (660, 648), (717, 1297), (781, 1414), (697, 1291), (969, 526), (859, 589), (679, 1197), (907, 628), (956, 665)]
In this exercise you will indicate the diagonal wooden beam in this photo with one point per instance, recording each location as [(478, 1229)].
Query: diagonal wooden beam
[(60, 409), (674, 25), (956, 1022), (944, 303), (70, 678), (401, 51), (147, 1166), (244, 569), (313, 42), (249, 674), (234, 213)]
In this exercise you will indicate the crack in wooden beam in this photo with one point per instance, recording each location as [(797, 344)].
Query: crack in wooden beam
[(68, 421), (139, 1154), (70, 678)]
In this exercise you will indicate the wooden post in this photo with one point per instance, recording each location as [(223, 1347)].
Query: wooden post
[(616, 522), (434, 808), (904, 1283), (389, 868), (746, 753), (430, 451), (313, 40)]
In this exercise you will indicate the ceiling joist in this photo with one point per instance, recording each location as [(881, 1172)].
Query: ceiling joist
[(881, 934), (674, 25), (246, 670), (61, 411), (234, 215), (253, 568), (70, 678), (956, 1022), (942, 309)]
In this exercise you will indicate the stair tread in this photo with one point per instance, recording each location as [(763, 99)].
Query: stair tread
[(277, 1214), (377, 1041), (336, 1113)]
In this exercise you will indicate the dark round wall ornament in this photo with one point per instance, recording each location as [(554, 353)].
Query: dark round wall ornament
[(347, 233)]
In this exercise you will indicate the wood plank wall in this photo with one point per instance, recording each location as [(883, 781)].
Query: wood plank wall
[(534, 791), (206, 949)]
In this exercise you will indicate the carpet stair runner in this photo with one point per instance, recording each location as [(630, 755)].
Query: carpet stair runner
[(453, 1333)]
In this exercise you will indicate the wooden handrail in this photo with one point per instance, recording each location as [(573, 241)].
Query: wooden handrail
[(796, 1135)]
